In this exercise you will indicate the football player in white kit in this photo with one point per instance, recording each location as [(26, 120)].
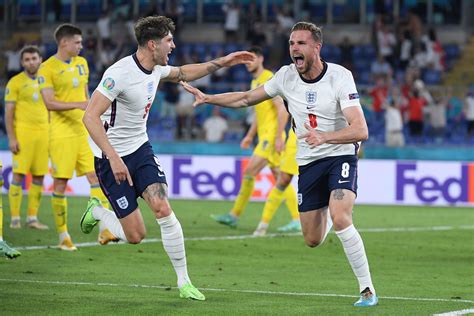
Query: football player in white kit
[(328, 120), (124, 160)]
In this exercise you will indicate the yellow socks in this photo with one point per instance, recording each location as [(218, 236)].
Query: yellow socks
[(246, 190), (96, 191), (34, 199), (291, 202), (15, 195), (274, 200), (271, 205), (59, 204)]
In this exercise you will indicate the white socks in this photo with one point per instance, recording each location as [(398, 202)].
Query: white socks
[(109, 220), (355, 253), (173, 243), (328, 226)]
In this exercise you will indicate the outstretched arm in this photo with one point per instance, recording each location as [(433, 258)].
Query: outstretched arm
[(230, 99), (195, 71)]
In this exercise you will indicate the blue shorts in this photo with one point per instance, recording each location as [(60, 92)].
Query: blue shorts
[(319, 178), (144, 168)]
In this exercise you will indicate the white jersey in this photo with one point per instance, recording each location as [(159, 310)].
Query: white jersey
[(319, 103), (132, 89)]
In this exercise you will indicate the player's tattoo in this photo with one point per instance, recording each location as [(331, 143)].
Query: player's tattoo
[(338, 194), (181, 75), (159, 190), (214, 65)]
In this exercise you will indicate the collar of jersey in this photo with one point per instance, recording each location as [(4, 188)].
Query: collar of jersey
[(321, 75), (148, 72)]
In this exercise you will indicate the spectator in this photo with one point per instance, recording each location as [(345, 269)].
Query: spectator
[(103, 28), (171, 98), (439, 60), (215, 126), (346, 52), (13, 59), (185, 115), (386, 42), (380, 68), (469, 111), (437, 114), (379, 95), (393, 124), (406, 51), (232, 21), (416, 103), (174, 10)]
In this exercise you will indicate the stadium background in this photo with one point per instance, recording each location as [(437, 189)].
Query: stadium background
[(351, 37), (421, 256)]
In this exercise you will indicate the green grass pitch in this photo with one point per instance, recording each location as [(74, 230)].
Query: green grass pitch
[(421, 258)]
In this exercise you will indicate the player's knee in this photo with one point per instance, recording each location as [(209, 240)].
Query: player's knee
[(135, 238), (313, 242), (341, 221), (161, 209)]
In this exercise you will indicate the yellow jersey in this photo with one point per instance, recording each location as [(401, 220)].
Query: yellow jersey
[(30, 111), (69, 81), (265, 112)]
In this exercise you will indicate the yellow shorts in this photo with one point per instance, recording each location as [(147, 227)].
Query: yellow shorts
[(266, 149), (69, 154), (288, 157), (33, 154)]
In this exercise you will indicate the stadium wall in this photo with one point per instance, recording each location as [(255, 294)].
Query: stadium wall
[(389, 182)]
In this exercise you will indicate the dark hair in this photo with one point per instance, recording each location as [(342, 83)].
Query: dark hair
[(66, 30), (29, 49), (257, 50), (152, 28), (316, 32)]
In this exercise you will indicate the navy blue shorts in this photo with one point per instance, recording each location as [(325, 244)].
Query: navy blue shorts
[(144, 168), (317, 179)]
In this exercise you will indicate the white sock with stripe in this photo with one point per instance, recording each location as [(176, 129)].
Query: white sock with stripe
[(109, 220), (173, 243), (355, 253)]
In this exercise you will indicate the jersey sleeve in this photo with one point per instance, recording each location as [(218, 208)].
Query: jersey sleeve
[(86, 66), (45, 77), (112, 83), (164, 71), (273, 86), (11, 92), (347, 91)]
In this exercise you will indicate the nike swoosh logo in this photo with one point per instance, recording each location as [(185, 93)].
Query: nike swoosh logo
[(345, 181)]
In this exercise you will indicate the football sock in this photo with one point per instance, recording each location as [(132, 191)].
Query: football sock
[(246, 190), (109, 220), (34, 199), (59, 205), (96, 191), (328, 226), (173, 243), (355, 253), (271, 205), (15, 195), (291, 202)]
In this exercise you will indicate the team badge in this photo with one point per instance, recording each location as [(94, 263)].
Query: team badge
[(300, 198), (149, 87), (122, 202), (311, 99), (40, 79), (75, 82), (108, 83)]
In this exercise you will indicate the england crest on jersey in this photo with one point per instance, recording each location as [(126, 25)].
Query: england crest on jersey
[(311, 99), (122, 202)]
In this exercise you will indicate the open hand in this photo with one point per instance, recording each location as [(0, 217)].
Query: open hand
[(236, 58), (120, 171), (198, 95)]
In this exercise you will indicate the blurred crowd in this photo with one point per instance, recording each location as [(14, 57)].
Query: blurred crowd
[(395, 74)]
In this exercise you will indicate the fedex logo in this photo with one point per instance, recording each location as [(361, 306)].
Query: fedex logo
[(431, 188), (215, 178)]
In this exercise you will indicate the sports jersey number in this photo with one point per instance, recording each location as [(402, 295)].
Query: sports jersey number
[(147, 109), (345, 170), (82, 70), (313, 120)]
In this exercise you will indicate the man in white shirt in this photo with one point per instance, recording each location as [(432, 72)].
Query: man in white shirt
[(124, 160), (215, 126), (328, 120)]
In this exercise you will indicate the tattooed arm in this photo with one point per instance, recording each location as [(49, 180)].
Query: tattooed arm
[(195, 71)]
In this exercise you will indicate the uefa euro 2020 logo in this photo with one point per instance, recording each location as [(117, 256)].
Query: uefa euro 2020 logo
[(108, 84)]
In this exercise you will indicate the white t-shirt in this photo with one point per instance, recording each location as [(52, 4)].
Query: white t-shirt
[(318, 103), (132, 89), (215, 127)]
